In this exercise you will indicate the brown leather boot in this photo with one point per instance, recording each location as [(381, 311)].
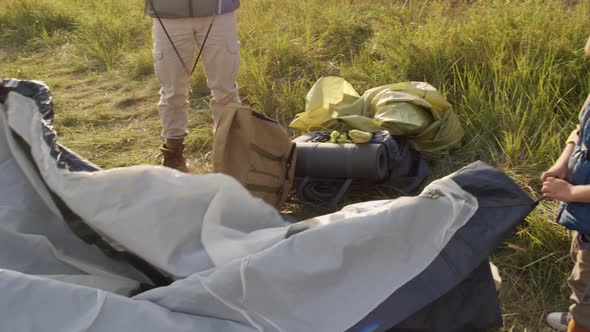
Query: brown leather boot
[(174, 158)]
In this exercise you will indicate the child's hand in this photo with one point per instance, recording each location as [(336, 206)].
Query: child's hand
[(557, 189), (556, 171)]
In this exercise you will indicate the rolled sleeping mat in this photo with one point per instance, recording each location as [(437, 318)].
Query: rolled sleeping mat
[(344, 161)]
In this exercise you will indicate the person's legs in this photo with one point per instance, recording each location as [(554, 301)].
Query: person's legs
[(175, 79), (221, 59), (579, 283), (578, 318)]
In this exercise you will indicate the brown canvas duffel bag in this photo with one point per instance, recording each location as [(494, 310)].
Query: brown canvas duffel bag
[(256, 151)]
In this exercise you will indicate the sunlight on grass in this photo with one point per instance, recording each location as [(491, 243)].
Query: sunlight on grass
[(513, 71)]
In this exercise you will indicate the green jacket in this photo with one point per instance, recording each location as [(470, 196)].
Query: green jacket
[(190, 8)]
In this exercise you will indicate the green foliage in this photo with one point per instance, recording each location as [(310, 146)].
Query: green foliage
[(24, 21), (112, 30)]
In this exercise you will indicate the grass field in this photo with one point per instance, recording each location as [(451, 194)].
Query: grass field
[(514, 72)]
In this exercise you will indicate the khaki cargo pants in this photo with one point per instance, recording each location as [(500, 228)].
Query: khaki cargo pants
[(579, 281), (220, 58)]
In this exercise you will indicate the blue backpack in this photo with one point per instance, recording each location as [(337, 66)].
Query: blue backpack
[(576, 216)]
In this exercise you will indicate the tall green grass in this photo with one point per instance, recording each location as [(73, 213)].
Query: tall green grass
[(24, 22), (112, 32), (514, 72)]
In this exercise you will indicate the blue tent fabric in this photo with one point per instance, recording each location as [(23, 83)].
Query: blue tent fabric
[(407, 168), (502, 206), (456, 294), (470, 306)]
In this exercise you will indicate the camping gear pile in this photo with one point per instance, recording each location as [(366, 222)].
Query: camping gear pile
[(406, 117), (412, 109), (379, 138), (79, 246), (325, 171)]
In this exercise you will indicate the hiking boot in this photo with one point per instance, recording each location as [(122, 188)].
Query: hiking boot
[(559, 320), (174, 158)]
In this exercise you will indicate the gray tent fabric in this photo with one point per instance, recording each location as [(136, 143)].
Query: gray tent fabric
[(233, 267)]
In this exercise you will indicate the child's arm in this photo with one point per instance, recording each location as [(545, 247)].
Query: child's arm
[(559, 169), (554, 185)]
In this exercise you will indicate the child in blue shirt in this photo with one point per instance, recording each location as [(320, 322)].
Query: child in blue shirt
[(568, 181)]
